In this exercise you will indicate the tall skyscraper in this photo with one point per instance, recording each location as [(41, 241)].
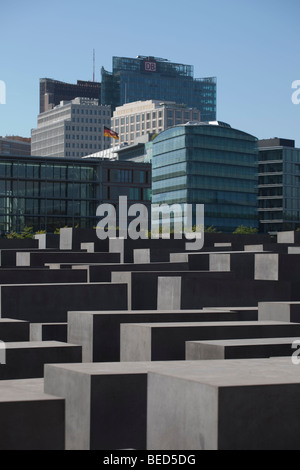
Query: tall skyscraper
[(72, 129), (149, 78), (52, 92)]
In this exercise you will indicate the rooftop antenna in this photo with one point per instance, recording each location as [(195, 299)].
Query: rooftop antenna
[(93, 65)]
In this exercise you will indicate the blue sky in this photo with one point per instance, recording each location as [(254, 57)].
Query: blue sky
[(251, 46)]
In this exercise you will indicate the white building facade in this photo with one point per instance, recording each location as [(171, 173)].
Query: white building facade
[(72, 129), (133, 120)]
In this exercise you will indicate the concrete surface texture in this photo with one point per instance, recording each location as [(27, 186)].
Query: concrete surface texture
[(166, 341), (222, 405), (240, 348), (138, 344)]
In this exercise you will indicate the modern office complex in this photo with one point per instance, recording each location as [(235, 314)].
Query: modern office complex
[(52, 92), (72, 129), (211, 164), (15, 145), (50, 193), (279, 185), (149, 78), (133, 120)]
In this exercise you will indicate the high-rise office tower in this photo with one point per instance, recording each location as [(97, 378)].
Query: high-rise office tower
[(149, 78), (52, 92), (72, 129)]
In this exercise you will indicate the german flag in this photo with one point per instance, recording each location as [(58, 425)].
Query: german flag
[(109, 133)]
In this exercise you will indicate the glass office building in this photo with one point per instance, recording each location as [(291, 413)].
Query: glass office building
[(149, 78), (50, 193), (52, 92), (279, 185), (210, 164)]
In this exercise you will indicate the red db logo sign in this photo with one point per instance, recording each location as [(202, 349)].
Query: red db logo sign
[(150, 66)]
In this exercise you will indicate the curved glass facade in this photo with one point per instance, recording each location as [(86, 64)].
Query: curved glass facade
[(213, 165)]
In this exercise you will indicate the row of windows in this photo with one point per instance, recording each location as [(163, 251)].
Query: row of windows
[(84, 129), (81, 154), (86, 146), (154, 115), (90, 121), (133, 194), (230, 211), (229, 224), (70, 172), (206, 182), (21, 206), (137, 127), (201, 156), (137, 118), (47, 189), (202, 196), (102, 112), (17, 222), (85, 137)]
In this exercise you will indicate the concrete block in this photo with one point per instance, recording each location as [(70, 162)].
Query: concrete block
[(179, 257), (49, 332), (49, 303), (88, 247), (81, 235), (254, 248), (224, 292), (13, 330), (23, 259), (169, 293), (279, 311), (106, 404), (39, 259), (166, 341), (41, 275), (99, 332), (29, 418), (123, 277), (116, 245), (222, 245), (42, 241), (144, 287), (15, 244), (219, 262), (293, 250), (103, 272), (66, 239), (277, 266), (141, 256), (267, 267), (239, 349), (27, 360), (47, 241), (2, 353), (224, 405), (244, 313), (288, 237)]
